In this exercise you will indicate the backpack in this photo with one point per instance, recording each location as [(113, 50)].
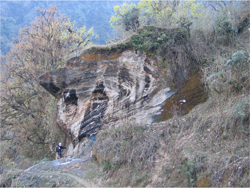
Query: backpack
[(57, 149), (92, 140)]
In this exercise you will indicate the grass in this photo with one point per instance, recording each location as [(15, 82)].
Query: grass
[(208, 143), (207, 147), (125, 152)]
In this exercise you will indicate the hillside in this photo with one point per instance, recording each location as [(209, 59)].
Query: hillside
[(182, 151), (169, 105), (207, 147), (15, 15)]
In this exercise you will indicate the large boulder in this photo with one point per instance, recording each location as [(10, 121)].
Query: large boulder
[(104, 85)]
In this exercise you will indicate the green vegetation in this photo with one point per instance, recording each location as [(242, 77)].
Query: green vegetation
[(126, 152), (125, 16), (27, 111), (207, 147), (16, 14), (128, 17), (188, 149)]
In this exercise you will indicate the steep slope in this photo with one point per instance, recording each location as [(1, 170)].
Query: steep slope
[(109, 83), (208, 147)]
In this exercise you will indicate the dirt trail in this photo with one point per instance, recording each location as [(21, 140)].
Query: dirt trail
[(54, 173), (81, 181)]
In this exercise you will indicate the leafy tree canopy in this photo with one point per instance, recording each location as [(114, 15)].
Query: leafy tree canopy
[(120, 11), (155, 12), (27, 110)]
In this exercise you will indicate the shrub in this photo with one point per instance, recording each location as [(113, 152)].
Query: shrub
[(230, 77), (126, 144), (190, 171), (226, 33), (239, 57), (131, 19)]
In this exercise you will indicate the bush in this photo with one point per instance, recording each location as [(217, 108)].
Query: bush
[(126, 144), (226, 33), (239, 57), (131, 19), (230, 77), (127, 152), (190, 171)]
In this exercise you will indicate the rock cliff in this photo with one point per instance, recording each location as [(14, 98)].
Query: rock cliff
[(106, 84)]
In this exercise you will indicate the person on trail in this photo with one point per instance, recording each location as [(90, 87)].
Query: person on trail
[(93, 138), (58, 151)]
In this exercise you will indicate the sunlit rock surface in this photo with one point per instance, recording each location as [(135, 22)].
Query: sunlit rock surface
[(106, 86), (99, 89)]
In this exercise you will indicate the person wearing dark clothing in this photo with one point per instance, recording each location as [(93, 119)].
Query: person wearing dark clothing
[(58, 150), (93, 138)]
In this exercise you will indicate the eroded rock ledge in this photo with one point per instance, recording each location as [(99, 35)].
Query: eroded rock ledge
[(104, 85)]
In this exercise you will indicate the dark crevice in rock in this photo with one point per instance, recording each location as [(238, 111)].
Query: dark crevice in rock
[(53, 87), (125, 77), (100, 89), (147, 81), (95, 112), (50, 87), (147, 70), (70, 97), (70, 135), (127, 105), (147, 61), (122, 93), (128, 93)]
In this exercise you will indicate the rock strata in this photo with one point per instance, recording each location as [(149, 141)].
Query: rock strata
[(102, 86)]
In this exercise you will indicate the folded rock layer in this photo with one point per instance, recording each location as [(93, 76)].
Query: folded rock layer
[(102, 86)]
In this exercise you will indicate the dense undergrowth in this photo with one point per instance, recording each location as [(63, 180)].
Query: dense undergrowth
[(210, 145), (207, 147)]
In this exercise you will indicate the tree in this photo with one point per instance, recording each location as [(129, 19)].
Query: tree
[(28, 115), (131, 19), (125, 19), (155, 12)]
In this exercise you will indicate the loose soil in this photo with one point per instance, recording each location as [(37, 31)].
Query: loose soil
[(65, 172)]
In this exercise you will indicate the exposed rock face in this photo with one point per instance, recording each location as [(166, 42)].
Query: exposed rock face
[(96, 89), (92, 92)]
